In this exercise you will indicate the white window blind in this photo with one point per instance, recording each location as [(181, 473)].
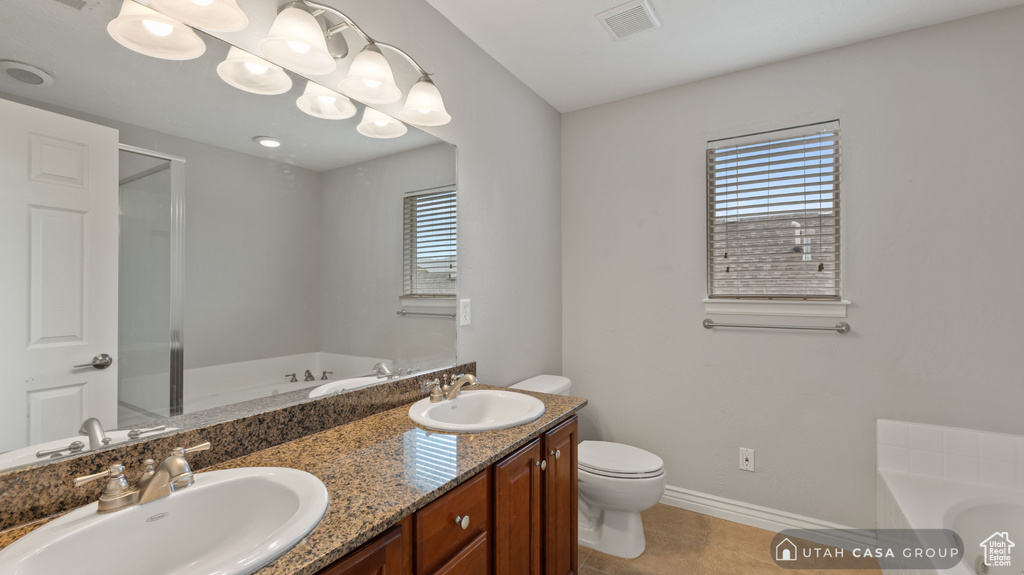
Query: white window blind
[(773, 215), (429, 243)]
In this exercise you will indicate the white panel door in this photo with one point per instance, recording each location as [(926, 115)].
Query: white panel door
[(58, 274)]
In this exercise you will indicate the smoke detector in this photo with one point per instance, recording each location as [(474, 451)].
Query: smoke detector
[(25, 73), (629, 19)]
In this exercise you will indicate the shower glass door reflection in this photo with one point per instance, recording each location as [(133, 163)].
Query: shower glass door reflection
[(149, 349)]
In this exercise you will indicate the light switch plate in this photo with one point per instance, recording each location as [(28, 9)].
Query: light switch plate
[(464, 312)]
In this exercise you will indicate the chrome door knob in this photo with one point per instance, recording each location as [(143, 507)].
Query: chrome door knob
[(462, 521), (557, 453)]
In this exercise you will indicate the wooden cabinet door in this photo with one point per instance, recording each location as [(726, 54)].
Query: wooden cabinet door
[(560, 500), (381, 556), (517, 512)]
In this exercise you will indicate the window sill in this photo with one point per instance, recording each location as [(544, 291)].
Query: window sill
[(445, 302), (776, 308)]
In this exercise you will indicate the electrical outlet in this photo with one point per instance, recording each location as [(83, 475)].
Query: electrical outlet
[(464, 315), (746, 459)]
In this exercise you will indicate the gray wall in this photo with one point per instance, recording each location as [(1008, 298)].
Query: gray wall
[(509, 207), (931, 126), (362, 260), (263, 303)]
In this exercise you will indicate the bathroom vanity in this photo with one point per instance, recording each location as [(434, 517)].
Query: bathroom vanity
[(517, 516), (395, 491)]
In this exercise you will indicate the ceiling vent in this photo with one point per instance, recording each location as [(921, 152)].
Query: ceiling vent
[(629, 19)]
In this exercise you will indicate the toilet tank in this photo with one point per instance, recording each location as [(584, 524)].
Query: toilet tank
[(554, 384)]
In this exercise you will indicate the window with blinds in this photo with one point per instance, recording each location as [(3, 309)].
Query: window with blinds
[(429, 243), (773, 215)]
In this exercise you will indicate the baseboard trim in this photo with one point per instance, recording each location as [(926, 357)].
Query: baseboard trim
[(756, 515)]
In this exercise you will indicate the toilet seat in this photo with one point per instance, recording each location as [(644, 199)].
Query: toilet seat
[(616, 460)]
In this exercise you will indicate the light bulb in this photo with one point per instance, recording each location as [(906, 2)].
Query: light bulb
[(424, 106), (297, 42), (256, 67), (378, 125), (320, 102), (149, 32), (370, 79), (212, 15), (158, 28), (253, 74)]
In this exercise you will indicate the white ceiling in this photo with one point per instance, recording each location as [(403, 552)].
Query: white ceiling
[(560, 50)]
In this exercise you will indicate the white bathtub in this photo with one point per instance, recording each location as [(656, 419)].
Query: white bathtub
[(975, 512)]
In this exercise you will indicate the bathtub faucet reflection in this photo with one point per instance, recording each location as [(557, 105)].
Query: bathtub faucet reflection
[(381, 370), (309, 376)]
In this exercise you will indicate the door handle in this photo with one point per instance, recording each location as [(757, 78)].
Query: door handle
[(101, 361)]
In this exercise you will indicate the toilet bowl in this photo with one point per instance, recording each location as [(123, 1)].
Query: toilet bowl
[(616, 483)]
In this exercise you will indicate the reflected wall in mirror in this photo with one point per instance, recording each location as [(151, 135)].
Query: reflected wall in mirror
[(290, 258)]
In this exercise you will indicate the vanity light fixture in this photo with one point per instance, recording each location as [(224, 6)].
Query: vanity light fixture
[(321, 102), (371, 81), (253, 74), (379, 125), (212, 15), (267, 141), (149, 32), (297, 42)]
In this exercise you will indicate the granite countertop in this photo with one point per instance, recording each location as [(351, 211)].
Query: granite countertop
[(374, 477)]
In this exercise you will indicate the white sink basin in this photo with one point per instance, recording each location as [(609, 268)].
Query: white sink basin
[(229, 522), (27, 455), (473, 411), (345, 385)]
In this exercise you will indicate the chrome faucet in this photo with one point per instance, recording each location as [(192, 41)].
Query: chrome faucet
[(94, 429), (326, 373), (309, 376), (381, 370), (452, 391), (173, 474), (292, 376)]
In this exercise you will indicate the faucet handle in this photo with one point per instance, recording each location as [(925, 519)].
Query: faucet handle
[(115, 471), (181, 451), (326, 373)]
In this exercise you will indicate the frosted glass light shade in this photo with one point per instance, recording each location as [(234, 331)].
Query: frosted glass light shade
[(253, 74), (370, 79), (378, 125), (213, 15), (297, 42), (424, 106), (320, 102), (149, 32)]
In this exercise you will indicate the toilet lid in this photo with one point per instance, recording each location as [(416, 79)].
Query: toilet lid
[(618, 460), (555, 384)]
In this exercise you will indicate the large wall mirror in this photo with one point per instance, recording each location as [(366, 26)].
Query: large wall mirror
[(237, 265)]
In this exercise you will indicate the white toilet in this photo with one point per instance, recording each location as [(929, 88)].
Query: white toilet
[(616, 483)]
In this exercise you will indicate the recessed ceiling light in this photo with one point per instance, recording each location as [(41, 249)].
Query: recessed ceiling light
[(25, 73), (267, 141)]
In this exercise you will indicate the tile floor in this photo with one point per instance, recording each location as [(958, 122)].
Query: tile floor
[(681, 542)]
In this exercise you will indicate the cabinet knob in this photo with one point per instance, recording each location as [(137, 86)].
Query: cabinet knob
[(543, 465), (557, 453), (462, 521)]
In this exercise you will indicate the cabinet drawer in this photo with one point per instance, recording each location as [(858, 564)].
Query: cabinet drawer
[(439, 537), (472, 560)]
